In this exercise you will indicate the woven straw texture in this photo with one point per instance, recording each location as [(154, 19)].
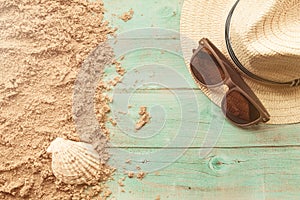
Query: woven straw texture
[(265, 37)]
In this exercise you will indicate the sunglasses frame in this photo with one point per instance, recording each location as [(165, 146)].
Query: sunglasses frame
[(233, 81)]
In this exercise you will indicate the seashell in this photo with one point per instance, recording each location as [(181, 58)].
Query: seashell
[(74, 162)]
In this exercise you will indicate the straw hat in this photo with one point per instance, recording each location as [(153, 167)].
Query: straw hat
[(265, 38)]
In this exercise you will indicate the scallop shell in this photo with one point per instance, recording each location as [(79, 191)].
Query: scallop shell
[(74, 162)]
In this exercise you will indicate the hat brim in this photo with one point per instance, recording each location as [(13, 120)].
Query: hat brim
[(206, 19)]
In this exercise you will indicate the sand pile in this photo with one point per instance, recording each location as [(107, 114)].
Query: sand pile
[(42, 46)]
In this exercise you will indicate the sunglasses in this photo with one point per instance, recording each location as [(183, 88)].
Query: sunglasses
[(211, 68)]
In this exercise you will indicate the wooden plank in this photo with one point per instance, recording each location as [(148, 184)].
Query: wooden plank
[(215, 160), (148, 13), (208, 118), (249, 173)]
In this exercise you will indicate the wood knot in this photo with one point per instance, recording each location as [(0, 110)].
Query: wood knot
[(216, 164)]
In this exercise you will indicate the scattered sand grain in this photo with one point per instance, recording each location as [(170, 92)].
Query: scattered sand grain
[(144, 118), (127, 15)]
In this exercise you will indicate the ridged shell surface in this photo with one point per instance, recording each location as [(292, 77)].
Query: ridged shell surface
[(74, 162)]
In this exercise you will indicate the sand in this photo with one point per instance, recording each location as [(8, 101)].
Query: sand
[(144, 118), (127, 15), (43, 44)]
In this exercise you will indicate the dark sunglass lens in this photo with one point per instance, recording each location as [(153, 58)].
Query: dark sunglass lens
[(239, 109), (206, 68)]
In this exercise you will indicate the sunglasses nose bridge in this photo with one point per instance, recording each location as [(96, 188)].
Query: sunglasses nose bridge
[(229, 83)]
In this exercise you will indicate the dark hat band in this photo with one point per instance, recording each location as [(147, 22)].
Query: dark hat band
[(293, 83)]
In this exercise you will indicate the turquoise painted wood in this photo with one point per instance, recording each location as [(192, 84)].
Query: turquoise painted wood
[(213, 159)]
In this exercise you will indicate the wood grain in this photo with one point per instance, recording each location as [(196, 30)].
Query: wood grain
[(247, 173), (259, 163)]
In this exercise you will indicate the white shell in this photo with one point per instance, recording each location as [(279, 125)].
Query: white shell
[(74, 162)]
